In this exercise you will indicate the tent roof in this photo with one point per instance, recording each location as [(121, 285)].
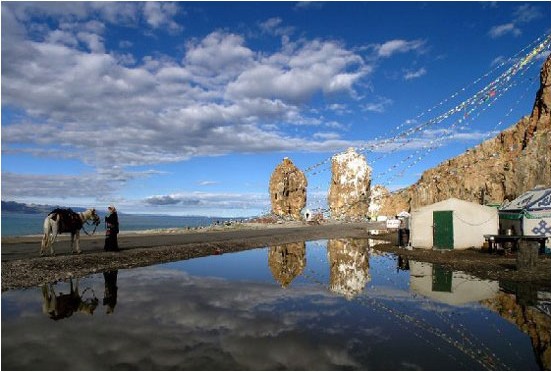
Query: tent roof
[(451, 203), (536, 199)]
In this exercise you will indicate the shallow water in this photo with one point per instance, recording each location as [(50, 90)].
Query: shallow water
[(336, 304)]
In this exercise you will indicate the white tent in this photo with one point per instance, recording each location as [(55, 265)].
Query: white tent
[(452, 224)]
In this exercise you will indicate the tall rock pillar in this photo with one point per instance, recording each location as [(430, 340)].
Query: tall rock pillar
[(350, 185), (288, 190)]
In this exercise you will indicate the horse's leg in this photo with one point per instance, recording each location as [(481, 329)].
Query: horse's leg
[(77, 241), (53, 238), (46, 236), (44, 243)]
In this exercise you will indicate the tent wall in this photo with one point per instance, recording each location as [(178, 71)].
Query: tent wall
[(470, 223)]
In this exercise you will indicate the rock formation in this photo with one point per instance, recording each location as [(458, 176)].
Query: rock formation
[(288, 190), (515, 161), (349, 266), (350, 185), (287, 262)]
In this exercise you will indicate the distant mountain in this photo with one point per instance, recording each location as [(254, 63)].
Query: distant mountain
[(11, 206)]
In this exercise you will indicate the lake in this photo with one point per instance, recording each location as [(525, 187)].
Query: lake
[(17, 224), (319, 305)]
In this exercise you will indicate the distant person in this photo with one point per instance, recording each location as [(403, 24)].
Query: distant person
[(111, 229), (403, 232)]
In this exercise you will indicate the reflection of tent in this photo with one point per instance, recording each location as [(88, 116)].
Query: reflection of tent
[(452, 224), (450, 287), (529, 214)]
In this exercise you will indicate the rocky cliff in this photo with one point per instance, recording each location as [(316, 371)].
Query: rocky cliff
[(350, 185), (288, 190), (515, 161)]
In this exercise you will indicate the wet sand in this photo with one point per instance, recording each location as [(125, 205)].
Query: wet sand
[(23, 267)]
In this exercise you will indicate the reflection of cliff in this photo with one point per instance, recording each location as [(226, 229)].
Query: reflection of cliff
[(287, 262), (529, 320), (349, 266)]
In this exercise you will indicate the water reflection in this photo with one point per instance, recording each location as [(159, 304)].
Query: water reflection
[(530, 319), (287, 261), (349, 266), (403, 264), (60, 306), (110, 292), (194, 315), (450, 287)]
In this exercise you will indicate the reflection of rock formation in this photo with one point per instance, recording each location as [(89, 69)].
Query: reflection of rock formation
[(288, 190), (350, 185), (287, 262), (64, 305), (349, 266), (530, 320), (450, 287)]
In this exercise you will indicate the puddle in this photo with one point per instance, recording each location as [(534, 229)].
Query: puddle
[(321, 305)]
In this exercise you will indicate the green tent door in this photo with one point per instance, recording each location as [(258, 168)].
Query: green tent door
[(442, 230)]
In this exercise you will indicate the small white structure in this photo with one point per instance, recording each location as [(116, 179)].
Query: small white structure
[(529, 214), (452, 224)]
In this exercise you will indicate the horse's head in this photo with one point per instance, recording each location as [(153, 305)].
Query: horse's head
[(94, 217)]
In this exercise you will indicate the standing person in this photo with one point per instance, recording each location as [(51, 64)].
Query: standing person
[(111, 229)]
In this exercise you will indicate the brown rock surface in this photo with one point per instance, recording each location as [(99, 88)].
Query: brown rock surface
[(288, 190), (515, 161), (350, 185)]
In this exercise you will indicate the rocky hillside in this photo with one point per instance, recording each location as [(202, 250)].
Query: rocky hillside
[(516, 160)]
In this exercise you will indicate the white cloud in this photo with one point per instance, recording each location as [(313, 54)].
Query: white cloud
[(392, 47), (379, 106), (525, 13), (160, 14), (504, 29), (201, 200), (409, 75), (273, 26)]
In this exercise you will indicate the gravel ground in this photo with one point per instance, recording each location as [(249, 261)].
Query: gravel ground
[(23, 267)]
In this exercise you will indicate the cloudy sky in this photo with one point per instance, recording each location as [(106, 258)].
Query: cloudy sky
[(187, 107)]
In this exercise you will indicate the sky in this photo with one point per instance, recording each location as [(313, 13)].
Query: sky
[(186, 108)]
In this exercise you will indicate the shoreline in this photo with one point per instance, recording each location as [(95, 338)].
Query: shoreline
[(23, 267)]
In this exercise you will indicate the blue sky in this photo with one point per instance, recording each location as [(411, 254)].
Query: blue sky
[(187, 107)]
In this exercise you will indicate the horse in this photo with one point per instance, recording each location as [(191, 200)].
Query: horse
[(65, 220), (64, 305)]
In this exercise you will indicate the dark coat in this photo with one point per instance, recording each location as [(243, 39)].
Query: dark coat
[(112, 224)]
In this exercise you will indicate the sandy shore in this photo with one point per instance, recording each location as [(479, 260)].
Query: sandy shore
[(23, 267)]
